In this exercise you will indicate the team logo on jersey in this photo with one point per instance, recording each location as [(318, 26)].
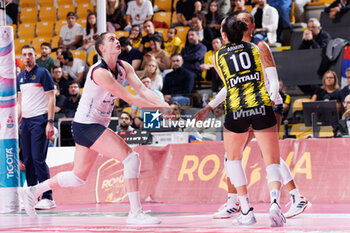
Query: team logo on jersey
[(151, 120), (10, 123), (33, 77)]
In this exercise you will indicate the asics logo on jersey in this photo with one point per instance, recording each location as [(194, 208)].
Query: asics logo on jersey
[(249, 112), (243, 79)]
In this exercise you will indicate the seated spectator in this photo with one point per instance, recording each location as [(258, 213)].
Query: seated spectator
[(138, 12), (283, 7), (314, 37), (152, 71), (239, 6), (173, 43), (214, 18), (337, 8), (145, 42), (59, 103), (208, 71), (125, 122), (266, 22), (11, 12), (215, 133), (135, 36), (206, 35), (193, 54), (59, 56), (115, 16), (341, 94), (346, 105), (71, 34), (138, 121), (45, 60), (73, 68), (89, 32), (157, 53), (224, 5), (129, 54), (71, 103), (58, 78), (184, 11), (329, 85), (299, 9), (178, 84), (286, 100)]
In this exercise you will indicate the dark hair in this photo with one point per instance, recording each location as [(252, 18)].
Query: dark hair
[(148, 21), (73, 82), (56, 67), (174, 29), (71, 13), (129, 115), (175, 54), (197, 15), (234, 29), (98, 41), (158, 38), (88, 26), (140, 31), (124, 41), (143, 77), (252, 20), (219, 16), (47, 44), (68, 55), (28, 46)]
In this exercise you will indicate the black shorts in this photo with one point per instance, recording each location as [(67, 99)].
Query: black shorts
[(259, 118), (86, 134)]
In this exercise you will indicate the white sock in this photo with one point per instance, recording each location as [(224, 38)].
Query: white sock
[(232, 199), (295, 194), (244, 200), (135, 203), (40, 188), (275, 195)]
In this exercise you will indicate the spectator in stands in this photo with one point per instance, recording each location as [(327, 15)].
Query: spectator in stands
[(63, 83), (341, 94), (152, 71), (178, 84), (329, 85), (71, 34), (173, 43), (214, 18), (129, 54), (208, 71), (11, 12), (59, 56), (286, 100), (266, 22), (59, 103), (224, 5), (184, 11), (115, 16), (206, 35), (138, 120), (45, 60), (314, 37), (283, 7), (71, 103), (135, 36), (239, 6), (299, 9), (157, 52), (213, 133), (138, 12), (89, 32), (73, 68), (337, 8), (193, 54), (125, 122), (346, 104), (145, 42)]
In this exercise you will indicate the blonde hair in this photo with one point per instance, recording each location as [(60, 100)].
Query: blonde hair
[(155, 73), (336, 83), (110, 10)]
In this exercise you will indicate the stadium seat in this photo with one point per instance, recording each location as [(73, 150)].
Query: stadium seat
[(300, 131), (121, 34), (163, 5), (162, 31), (44, 29), (54, 41), (81, 54), (37, 41), (82, 22), (182, 34), (298, 104), (64, 2), (46, 3), (26, 30), (20, 42), (58, 26), (47, 13), (14, 29), (62, 11), (29, 15), (83, 9), (27, 4), (164, 17), (91, 55), (53, 54), (174, 18)]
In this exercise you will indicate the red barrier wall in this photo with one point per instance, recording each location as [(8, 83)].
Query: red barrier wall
[(190, 173)]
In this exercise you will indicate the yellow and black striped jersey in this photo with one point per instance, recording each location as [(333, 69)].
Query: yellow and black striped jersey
[(242, 73)]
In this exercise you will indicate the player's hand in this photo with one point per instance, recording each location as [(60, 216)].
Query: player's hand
[(49, 130), (202, 114)]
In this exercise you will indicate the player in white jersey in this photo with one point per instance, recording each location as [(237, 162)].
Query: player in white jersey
[(103, 86), (298, 203)]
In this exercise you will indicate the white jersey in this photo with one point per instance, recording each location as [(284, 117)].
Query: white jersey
[(96, 104)]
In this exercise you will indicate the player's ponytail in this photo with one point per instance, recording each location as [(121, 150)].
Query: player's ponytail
[(234, 29)]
